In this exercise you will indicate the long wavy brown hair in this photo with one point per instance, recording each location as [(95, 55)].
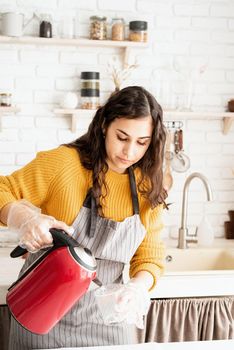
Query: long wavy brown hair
[(131, 102)]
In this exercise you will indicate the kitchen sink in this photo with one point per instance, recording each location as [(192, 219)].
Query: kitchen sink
[(197, 271), (199, 259)]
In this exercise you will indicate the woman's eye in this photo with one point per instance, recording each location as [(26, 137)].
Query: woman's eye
[(121, 139), (142, 143)]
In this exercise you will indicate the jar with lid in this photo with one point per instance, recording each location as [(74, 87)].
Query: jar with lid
[(45, 26), (5, 99), (98, 28), (90, 90), (117, 29), (138, 31)]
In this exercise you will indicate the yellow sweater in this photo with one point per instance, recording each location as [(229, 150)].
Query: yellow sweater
[(57, 182)]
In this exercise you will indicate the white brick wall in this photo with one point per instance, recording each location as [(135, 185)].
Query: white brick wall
[(186, 32)]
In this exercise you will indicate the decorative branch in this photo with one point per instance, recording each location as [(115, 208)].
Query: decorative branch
[(120, 75)]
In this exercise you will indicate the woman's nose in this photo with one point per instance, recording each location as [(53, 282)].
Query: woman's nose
[(129, 151)]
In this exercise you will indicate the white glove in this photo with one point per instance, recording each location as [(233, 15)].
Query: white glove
[(123, 303), (134, 303), (32, 226)]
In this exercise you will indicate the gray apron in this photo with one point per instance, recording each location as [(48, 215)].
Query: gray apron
[(113, 245)]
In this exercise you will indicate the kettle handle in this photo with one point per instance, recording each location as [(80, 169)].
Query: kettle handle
[(60, 239)]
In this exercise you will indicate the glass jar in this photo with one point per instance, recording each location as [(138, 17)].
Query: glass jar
[(90, 90), (45, 26), (98, 28), (5, 99), (138, 31), (117, 29)]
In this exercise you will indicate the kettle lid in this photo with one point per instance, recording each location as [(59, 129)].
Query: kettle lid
[(84, 257)]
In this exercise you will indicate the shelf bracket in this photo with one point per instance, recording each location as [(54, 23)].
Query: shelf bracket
[(227, 123), (73, 122), (71, 112), (126, 57)]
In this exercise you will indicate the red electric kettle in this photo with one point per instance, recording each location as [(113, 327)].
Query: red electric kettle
[(52, 284)]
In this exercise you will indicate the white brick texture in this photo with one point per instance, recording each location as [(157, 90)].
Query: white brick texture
[(195, 33)]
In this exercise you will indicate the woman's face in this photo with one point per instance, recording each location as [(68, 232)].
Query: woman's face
[(126, 142)]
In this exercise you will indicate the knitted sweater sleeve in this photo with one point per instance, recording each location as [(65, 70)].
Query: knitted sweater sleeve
[(150, 254), (33, 181)]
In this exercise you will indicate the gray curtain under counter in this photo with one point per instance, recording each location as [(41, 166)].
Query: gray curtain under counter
[(189, 319), (171, 320)]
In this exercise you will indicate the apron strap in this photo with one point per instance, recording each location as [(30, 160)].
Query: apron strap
[(90, 203), (93, 217), (87, 201), (135, 201)]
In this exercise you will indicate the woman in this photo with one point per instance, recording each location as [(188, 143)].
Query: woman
[(117, 165)]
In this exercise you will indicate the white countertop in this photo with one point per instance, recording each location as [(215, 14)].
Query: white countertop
[(170, 285), (207, 345)]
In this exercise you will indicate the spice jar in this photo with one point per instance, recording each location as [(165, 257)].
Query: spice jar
[(5, 99), (117, 29), (90, 90), (98, 28), (45, 26), (138, 31)]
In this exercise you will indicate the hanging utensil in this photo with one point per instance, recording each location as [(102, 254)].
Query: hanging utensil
[(167, 176), (180, 162)]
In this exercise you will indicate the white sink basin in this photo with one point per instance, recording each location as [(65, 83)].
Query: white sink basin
[(197, 272), (199, 259)]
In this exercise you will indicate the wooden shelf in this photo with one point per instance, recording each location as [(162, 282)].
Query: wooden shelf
[(7, 110), (226, 117), (75, 113), (79, 42)]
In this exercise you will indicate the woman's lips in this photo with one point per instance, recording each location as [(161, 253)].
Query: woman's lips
[(126, 161)]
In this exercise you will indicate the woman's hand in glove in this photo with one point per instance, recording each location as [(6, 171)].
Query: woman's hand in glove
[(134, 302), (32, 226)]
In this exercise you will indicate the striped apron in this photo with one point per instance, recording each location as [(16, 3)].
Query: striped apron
[(113, 245)]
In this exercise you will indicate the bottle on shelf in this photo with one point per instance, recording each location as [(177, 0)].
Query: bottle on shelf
[(5, 99), (98, 28), (117, 29), (90, 90), (45, 26), (138, 31)]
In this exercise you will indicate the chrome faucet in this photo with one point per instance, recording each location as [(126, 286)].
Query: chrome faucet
[(184, 236)]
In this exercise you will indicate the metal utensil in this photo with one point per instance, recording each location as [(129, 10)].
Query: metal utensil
[(180, 162)]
